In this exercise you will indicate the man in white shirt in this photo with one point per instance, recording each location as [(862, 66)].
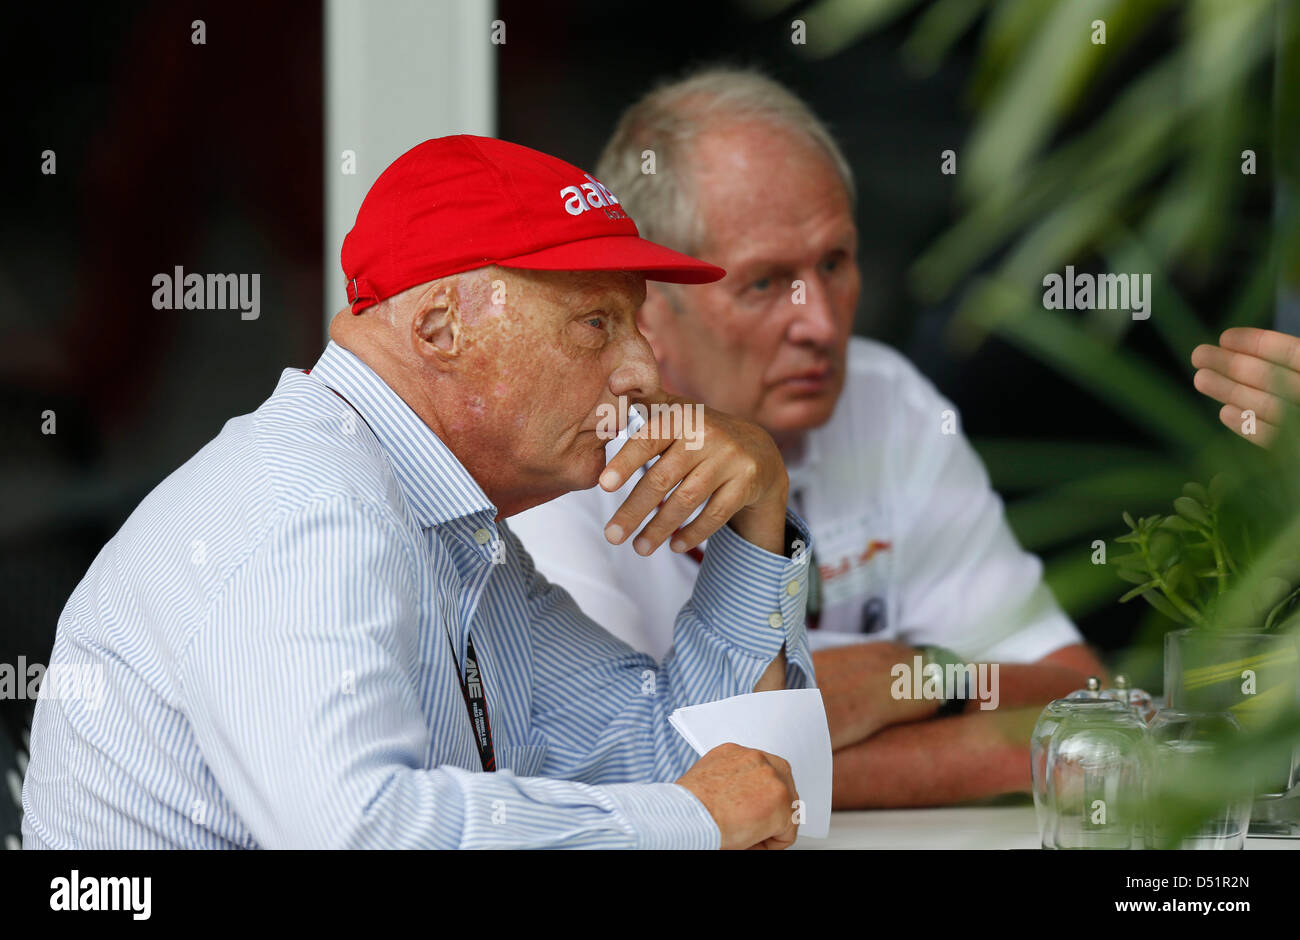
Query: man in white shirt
[(911, 546)]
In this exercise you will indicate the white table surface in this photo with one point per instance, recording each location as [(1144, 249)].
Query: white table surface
[(957, 827)]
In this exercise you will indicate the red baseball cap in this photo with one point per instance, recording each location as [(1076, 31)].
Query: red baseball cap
[(457, 203)]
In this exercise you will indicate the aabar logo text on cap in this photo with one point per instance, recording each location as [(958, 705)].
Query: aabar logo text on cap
[(591, 195)]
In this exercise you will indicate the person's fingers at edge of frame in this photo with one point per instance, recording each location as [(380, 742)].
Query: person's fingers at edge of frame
[(1233, 418), (1253, 372), (1281, 349), (1200, 355), (1266, 406)]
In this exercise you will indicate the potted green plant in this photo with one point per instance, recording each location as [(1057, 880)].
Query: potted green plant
[(1236, 651)]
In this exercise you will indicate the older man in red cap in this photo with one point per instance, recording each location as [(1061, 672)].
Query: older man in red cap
[(319, 631)]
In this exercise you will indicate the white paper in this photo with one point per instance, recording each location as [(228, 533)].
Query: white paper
[(790, 723)]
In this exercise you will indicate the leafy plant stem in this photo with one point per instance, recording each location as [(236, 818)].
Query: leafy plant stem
[(1191, 613), (1220, 569)]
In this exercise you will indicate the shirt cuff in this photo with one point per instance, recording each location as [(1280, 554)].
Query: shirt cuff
[(756, 600), (664, 816)]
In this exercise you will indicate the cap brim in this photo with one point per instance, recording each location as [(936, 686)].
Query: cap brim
[(619, 253)]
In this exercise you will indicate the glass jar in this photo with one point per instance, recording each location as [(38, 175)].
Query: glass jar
[(1048, 722), (1098, 760)]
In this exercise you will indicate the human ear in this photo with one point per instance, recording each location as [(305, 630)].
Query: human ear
[(435, 327)]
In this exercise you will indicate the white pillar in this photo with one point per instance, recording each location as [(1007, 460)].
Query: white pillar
[(397, 72)]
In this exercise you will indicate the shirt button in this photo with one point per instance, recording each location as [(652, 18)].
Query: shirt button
[(482, 536), (793, 588), (774, 620)]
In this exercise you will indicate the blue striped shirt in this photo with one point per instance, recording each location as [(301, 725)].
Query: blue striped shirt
[(270, 635)]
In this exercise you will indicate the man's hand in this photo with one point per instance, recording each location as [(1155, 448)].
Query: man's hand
[(1250, 370), (749, 794), (737, 470), (855, 682)]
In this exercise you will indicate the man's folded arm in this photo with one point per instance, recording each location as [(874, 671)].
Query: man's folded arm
[(747, 607), (304, 686)]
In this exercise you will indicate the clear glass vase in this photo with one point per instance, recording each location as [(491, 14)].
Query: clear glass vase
[(1255, 677), (1194, 804)]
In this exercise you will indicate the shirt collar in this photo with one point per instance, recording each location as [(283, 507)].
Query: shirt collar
[(436, 485)]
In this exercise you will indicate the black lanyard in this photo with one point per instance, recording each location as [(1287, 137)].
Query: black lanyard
[(471, 687)]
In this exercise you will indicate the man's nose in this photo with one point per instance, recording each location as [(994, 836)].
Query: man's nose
[(814, 318), (637, 374)]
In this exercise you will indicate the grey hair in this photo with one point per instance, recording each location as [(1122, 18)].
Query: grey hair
[(669, 119)]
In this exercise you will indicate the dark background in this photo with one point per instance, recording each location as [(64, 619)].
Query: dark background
[(209, 157), (167, 154)]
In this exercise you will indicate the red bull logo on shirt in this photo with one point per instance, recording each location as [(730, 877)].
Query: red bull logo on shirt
[(852, 562)]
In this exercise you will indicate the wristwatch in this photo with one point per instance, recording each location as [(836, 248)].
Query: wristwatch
[(943, 657)]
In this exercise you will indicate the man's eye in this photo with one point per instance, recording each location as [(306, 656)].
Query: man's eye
[(597, 323), (763, 283), (830, 264)]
